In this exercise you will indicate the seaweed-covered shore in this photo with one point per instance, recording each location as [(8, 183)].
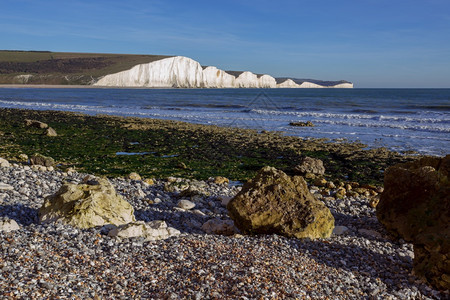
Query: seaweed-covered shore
[(115, 146)]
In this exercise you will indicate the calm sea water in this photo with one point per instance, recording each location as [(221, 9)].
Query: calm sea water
[(399, 119)]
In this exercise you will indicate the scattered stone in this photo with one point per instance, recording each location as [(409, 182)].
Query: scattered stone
[(330, 185), (6, 187), (42, 160), (415, 206), (149, 181), (36, 124), (373, 202), (50, 132), (219, 226), (8, 225), (320, 182), (302, 124), (134, 176), (86, 206), (185, 204), (369, 232), (23, 157), (151, 231), (221, 180), (340, 230), (310, 165), (4, 163), (274, 202)]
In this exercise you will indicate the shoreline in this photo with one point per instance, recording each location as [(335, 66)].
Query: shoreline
[(179, 148)]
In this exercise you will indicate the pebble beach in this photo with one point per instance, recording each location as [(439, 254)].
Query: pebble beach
[(359, 261)]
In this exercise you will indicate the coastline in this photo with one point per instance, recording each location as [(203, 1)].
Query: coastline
[(206, 150)]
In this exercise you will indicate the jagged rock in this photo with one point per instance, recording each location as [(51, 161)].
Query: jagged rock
[(50, 132), (219, 226), (8, 225), (415, 205), (151, 231), (310, 165), (4, 163), (36, 124), (86, 205), (42, 160), (274, 202)]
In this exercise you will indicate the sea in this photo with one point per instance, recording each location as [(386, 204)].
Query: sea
[(403, 120)]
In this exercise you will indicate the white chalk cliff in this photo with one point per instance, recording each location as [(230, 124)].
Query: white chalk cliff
[(183, 72)]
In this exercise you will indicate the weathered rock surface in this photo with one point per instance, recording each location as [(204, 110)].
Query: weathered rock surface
[(36, 124), (42, 160), (50, 132), (87, 205), (151, 231), (8, 225), (219, 226), (274, 202), (415, 205), (310, 165), (4, 163), (6, 187)]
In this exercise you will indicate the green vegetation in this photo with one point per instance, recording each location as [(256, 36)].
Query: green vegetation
[(169, 148), (64, 68)]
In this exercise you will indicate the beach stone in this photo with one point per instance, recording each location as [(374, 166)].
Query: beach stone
[(415, 206), (373, 202), (185, 204), (36, 124), (274, 202), (224, 200), (86, 205), (221, 180), (321, 182), (340, 230), (50, 132), (310, 165), (151, 231), (302, 124), (149, 181), (42, 160), (219, 226), (6, 187), (134, 176), (8, 225), (23, 157), (4, 163), (340, 193)]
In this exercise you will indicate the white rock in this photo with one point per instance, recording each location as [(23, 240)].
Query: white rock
[(340, 230), (186, 204), (6, 187), (155, 230), (219, 226), (8, 225), (4, 163)]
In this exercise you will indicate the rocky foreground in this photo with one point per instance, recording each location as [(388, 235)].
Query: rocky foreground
[(40, 261)]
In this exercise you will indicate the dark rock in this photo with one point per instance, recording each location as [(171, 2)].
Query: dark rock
[(42, 160), (415, 205), (302, 124), (274, 202)]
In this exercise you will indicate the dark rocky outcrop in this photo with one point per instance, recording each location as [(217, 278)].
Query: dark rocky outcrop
[(274, 202), (415, 206)]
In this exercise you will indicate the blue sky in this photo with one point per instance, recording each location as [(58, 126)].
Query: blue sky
[(373, 43)]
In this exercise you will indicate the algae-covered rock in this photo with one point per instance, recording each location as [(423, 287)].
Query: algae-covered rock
[(41, 160), (87, 205), (415, 205), (274, 202), (310, 165)]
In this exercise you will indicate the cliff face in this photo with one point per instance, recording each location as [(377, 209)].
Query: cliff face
[(183, 72)]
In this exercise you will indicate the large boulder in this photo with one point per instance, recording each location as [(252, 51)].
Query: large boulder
[(415, 205), (274, 202), (86, 205)]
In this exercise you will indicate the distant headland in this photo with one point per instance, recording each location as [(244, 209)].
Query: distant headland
[(127, 70)]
